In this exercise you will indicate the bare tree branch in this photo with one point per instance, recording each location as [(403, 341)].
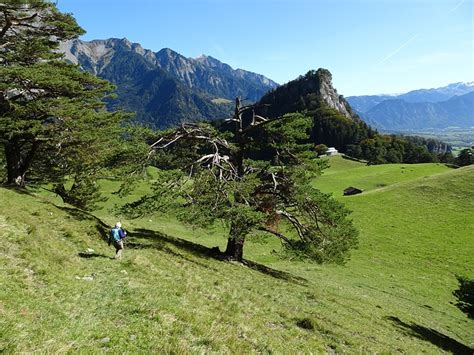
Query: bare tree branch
[(260, 124), (7, 25), (275, 183), (299, 227), (279, 235)]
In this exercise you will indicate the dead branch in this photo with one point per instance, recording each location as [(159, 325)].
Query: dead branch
[(279, 235), (260, 124), (300, 228), (275, 183)]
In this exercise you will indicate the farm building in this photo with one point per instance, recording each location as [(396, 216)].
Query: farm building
[(352, 191), (331, 151)]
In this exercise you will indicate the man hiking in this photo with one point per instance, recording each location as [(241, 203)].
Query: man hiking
[(117, 234)]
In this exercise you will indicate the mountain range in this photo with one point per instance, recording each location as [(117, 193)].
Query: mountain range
[(439, 108), (165, 88)]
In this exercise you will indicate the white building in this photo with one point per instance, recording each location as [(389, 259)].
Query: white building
[(331, 151)]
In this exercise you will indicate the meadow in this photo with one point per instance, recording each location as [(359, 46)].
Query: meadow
[(62, 291)]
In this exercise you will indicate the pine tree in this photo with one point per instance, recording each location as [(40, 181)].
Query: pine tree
[(53, 122), (219, 177), (465, 157)]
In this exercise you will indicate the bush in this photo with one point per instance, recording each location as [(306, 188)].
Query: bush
[(465, 296)]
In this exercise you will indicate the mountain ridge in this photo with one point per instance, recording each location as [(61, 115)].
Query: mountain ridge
[(398, 114), (171, 61), (447, 106), (165, 88)]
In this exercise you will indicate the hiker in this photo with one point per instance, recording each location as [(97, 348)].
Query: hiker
[(117, 234)]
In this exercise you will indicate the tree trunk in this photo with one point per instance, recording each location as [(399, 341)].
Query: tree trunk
[(235, 244), (235, 248), (18, 163)]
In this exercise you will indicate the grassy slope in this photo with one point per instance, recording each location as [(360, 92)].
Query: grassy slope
[(415, 237), (416, 234), (344, 173)]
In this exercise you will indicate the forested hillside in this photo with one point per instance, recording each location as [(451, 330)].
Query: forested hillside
[(335, 124)]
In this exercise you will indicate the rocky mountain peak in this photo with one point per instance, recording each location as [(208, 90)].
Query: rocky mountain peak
[(126, 42), (204, 73), (329, 94), (167, 52), (308, 92)]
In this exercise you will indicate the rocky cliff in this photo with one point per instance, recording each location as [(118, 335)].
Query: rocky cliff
[(329, 94), (308, 92)]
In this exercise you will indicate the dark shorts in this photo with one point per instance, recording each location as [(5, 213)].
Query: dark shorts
[(118, 245)]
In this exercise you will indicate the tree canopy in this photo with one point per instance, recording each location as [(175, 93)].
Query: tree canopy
[(465, 157), (53, 122), (213, 176)]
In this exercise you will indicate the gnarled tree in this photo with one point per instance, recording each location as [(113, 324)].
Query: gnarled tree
[(255, 177)]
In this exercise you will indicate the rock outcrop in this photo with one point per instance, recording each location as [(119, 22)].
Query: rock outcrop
[(329, 94), (308, 92)]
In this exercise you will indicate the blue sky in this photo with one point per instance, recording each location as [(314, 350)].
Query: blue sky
[(370, 46)]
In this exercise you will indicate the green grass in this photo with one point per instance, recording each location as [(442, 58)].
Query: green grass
[(344, 173), (168, 295)]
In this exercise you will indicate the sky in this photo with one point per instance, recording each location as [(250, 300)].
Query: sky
[(370, 46)]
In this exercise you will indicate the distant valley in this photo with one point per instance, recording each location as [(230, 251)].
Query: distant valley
[(419, 110)]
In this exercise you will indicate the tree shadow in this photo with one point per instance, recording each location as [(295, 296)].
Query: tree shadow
[(278, 274), (433, 336), (465, 296), (205, 252), (161, 245), (80, 215), (160, 240), (76, 213), (93, 255), (17, 189)]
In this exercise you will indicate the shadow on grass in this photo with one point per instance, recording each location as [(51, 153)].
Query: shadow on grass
[(101, 227), (74, 212), (93, 255), (433, 336), (160, 240), (17, 189), (132, 243), (275, 273), (202, 251)]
